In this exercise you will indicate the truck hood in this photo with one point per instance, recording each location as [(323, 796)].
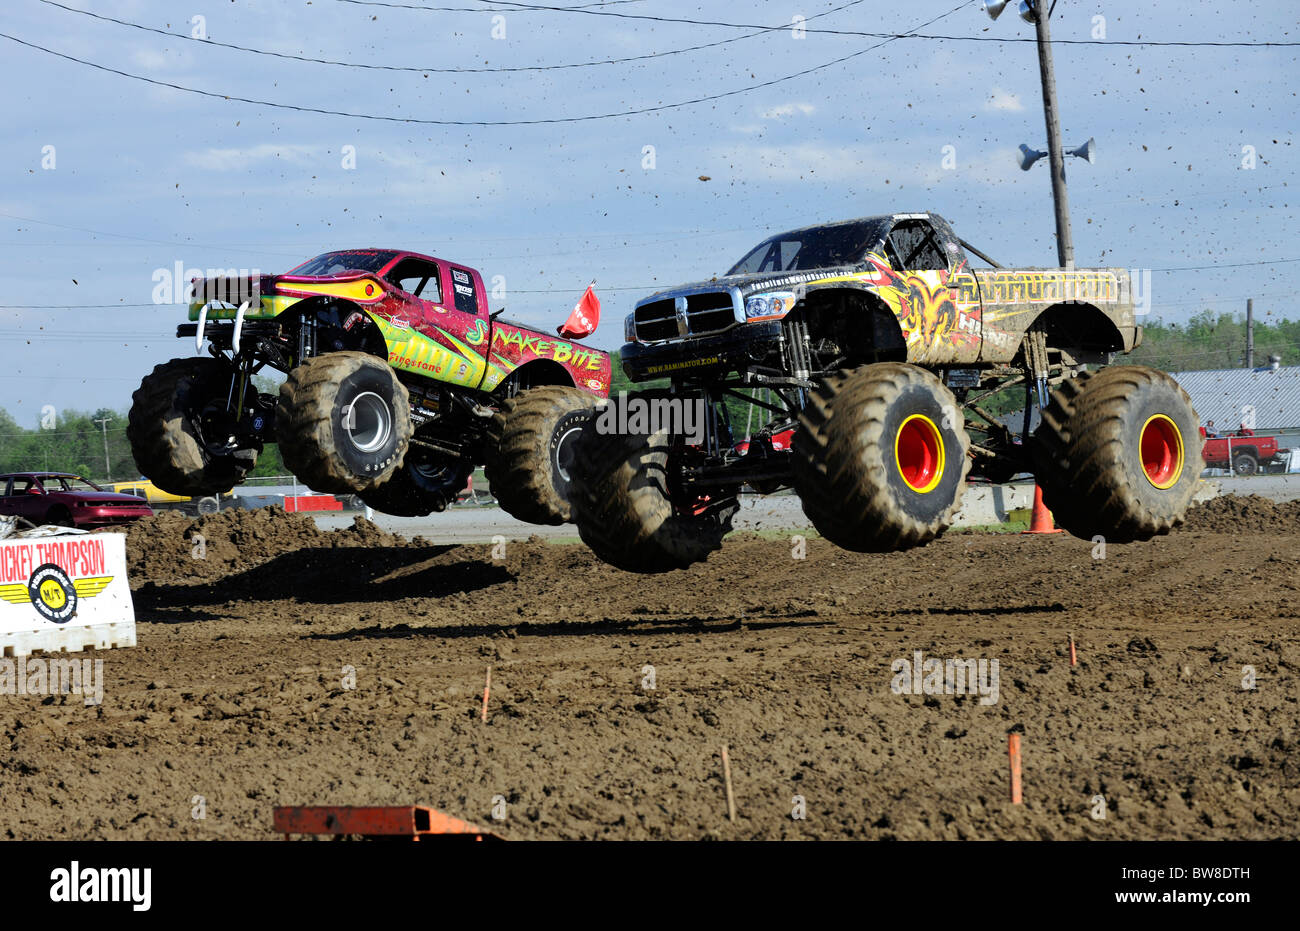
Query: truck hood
[(752, 284)]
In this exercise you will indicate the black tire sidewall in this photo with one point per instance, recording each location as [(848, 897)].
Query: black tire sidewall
[(565, 435), (928, 506), (380, 381), (191, 388), (427, 487), (1147, 402), (624, 510)]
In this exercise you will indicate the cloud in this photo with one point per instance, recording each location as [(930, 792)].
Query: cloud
[(1003, 100), (151, 60), (781, 111), (236, 159)]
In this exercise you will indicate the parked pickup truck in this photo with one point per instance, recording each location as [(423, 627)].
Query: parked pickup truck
[(1244, 452)]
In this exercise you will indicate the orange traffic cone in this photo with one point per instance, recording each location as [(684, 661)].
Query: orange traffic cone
[(1040, 520)]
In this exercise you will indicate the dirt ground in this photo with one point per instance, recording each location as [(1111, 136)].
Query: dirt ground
[(236, 690)]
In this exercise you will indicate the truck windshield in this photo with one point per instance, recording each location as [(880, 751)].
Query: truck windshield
[(336, 263), (817, 247)]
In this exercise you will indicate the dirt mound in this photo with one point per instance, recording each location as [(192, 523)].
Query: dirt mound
[(1244, 514), (170, 547)]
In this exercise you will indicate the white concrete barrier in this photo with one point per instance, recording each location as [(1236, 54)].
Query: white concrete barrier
[(982, 505), (64, 593)]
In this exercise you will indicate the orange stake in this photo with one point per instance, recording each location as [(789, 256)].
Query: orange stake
[(486, 689), (1013, 750), (1074, 657), (726, 775)]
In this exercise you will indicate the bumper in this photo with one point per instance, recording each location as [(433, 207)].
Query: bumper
[(108, 517), (704, 355)]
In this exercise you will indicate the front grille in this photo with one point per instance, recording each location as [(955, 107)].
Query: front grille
[(656, 320), (710, 312)]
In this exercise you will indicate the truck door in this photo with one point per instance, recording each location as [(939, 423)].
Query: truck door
[(470, 324), (434, 313), (938, 307), (964, 289), (27, 499)]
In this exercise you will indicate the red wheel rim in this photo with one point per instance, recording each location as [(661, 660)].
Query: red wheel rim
[(918, 451), (1161, 446)]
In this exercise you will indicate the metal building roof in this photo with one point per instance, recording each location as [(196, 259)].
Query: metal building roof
[(1223, 395)]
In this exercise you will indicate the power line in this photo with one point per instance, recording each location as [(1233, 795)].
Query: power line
[(140, 239), (1195, 268), (653, 287), (410, 68), (455, 240), (510, 6), (535, 122)]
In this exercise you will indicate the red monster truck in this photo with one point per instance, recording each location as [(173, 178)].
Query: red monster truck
[(400, 382), (1243, 452)]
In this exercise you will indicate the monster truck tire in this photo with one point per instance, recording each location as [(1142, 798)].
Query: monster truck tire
[(165, 442), (624, 509), (877, 460), (343, 422), (418, 488), (1118, 454), (1244, 464), (530, 447)]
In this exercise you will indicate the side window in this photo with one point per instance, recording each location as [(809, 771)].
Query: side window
[(462, 286), (914, 243), (418, 278)]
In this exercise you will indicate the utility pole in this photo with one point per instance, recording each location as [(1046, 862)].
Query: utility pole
[(1056, 157), (108, 469), (1039, 12), (1250, 332)]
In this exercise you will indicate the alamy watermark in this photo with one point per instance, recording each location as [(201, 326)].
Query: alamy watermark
[(933, 676), (181, 285), (649, 415), (36, 676), (646, 416)]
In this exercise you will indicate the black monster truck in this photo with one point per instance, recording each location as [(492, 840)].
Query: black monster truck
[(399, 383), (878, 344)]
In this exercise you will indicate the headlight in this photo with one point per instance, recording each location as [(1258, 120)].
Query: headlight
[(768, 305), (629, 328)]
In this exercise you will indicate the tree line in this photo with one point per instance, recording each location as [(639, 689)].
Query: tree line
[(73, 441)]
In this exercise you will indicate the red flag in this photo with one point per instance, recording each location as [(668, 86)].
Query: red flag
[(585, 317)]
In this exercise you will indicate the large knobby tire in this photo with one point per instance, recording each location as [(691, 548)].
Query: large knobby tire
[(1118, 454), (163, 430), (343, 422), (880, 458), (530, 449), (419, 487), (624, 508)]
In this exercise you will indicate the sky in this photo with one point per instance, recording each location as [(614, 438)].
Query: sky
[(108, 180)]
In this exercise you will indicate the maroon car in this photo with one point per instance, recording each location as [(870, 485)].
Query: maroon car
[(67, 500)]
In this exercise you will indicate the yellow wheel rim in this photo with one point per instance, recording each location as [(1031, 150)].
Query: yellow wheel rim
[(919, 453), (1161, 448)]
